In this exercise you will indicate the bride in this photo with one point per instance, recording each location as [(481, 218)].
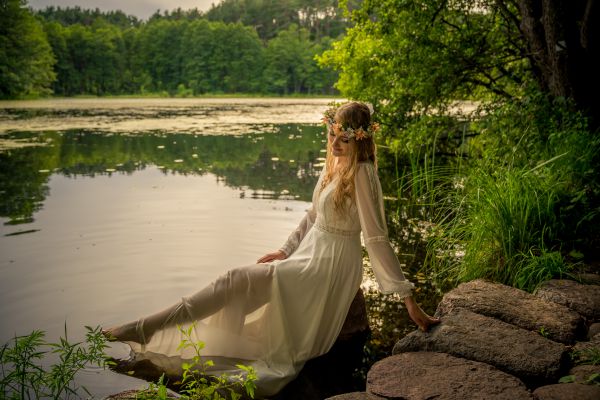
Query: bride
[(290, 306)]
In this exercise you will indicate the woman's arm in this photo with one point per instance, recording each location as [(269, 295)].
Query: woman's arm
[(298, 234), (388, 273), (293, 240), (369, 201)]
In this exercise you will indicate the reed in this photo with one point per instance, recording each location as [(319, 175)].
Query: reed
[(504, 227)]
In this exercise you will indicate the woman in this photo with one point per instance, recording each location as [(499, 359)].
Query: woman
[(290, 306)]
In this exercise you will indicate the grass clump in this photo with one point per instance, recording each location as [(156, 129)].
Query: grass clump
[(501, 227)]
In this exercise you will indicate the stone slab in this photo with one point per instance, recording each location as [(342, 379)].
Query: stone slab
[(527, 355), (584, 299), (516, 307), (567, 391), (429, 375)]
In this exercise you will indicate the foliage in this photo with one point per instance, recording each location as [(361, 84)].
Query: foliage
[(76, 15), (319, 18), (503, 227), (197, 384), (253, 46), (26, 59), (587, 356), (291, 67), (511, 188), (23, 376), (415, 58)]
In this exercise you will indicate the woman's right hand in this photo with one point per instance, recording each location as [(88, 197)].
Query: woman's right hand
[(278, 255)]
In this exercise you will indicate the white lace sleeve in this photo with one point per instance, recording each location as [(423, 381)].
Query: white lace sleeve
[(369, 201), (297, 235), (307, 222)]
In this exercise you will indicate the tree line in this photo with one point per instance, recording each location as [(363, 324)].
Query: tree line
[(238, 46)]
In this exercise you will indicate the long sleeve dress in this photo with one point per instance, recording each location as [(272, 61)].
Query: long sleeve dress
[(276, 316)]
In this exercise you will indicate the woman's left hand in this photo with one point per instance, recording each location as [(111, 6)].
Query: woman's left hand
[(419, 316), (277, 255)]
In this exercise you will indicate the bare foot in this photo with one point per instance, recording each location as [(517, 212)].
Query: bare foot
[(123, 333)]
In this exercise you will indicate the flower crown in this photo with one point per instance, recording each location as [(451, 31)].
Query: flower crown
[(349, 132)]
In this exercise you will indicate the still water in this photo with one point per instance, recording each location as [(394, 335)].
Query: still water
[(111, 209)]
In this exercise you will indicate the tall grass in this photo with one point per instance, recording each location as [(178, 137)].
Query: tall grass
[(504, 228), (526, 196)]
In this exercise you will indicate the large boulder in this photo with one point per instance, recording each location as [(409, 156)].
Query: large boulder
[(584, 299), (515, 307), (567, 391), (520, 352), (428, 375)]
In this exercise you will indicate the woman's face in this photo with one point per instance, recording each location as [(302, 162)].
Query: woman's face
[(340, 144)]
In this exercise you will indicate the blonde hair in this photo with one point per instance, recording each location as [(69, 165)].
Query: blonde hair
[(350, 115)]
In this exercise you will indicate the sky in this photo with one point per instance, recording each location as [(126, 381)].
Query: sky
[(140, 8)]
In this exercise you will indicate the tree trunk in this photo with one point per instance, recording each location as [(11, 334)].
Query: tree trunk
[(564, 47)]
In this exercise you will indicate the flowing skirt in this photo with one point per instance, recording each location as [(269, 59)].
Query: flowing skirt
[(273, 317)]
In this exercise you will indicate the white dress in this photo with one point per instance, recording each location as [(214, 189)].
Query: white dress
[(278, 315)]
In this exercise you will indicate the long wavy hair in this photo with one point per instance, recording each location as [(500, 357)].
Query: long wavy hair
[(350, 115)]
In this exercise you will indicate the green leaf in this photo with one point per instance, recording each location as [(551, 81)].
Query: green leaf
[(567, 379)]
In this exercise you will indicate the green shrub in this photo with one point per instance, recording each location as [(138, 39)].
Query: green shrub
[(23, 376)]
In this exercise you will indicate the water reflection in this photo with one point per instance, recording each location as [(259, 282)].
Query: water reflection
[(279, 165)]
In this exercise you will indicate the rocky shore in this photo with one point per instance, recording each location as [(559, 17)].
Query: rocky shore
[(498, 342)]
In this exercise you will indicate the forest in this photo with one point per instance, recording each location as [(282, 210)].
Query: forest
[(241, 46)]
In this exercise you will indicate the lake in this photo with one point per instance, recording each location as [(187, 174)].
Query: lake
[(114, 208)]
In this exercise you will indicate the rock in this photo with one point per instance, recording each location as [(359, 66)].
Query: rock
[(356, 320), (355, 396), (584, 299), (593, 330), (587, 352), (588, 278), (527, 355), (567, 391), (515, 307), (428, 375), (582, 373)]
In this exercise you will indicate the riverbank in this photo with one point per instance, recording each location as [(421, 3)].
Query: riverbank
[(499, 342)]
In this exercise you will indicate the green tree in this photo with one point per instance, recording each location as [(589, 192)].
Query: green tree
[(409, 57), (161, 53), (289, 56), (26, 59), (219, 57)]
